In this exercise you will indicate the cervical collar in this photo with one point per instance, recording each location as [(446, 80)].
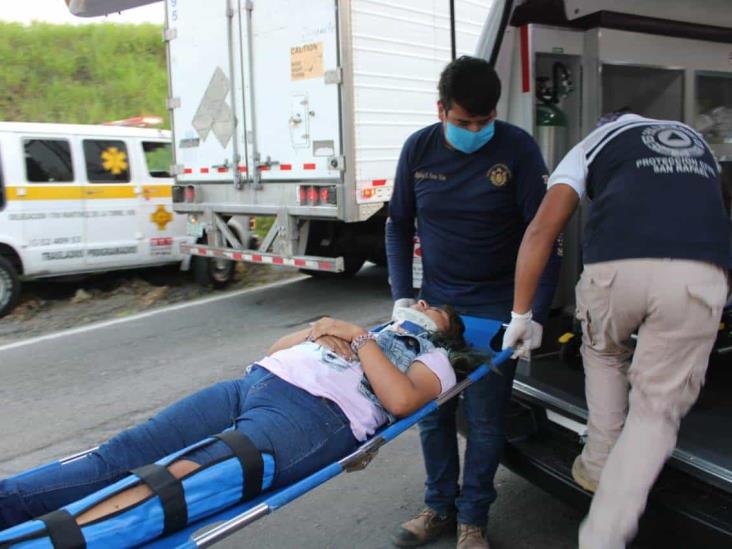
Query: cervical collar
[(413, 315)]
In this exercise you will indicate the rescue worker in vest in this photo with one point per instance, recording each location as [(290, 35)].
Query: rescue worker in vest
[(472, 184), (656, 250)]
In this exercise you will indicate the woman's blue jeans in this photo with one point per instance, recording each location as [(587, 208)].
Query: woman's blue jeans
[(303, 433), (484, 407)]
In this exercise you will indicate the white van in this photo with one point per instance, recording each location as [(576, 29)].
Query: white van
[(82, 198)]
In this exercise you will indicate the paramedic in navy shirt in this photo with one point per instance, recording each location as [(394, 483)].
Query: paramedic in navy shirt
[(472, 184), (656, 252)]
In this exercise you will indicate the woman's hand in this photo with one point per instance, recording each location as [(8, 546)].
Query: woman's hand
[(334, 327), (339, 346)]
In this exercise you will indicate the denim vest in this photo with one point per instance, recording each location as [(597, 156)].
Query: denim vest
[(401, 348)]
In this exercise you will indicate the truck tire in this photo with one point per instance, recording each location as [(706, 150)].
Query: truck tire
[(216, 273), (9, 287)]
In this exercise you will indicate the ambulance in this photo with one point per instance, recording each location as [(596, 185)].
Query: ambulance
[(83, 198)]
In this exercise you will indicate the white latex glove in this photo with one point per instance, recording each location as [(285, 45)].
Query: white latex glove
[(402, 302), (522, 335)]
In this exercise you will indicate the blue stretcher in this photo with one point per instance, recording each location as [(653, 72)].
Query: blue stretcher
[(205, 531)]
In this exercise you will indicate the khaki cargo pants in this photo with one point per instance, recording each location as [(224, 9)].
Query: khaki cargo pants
[(636, 405)]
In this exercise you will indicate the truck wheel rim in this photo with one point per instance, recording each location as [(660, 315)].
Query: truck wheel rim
[(220, 269)]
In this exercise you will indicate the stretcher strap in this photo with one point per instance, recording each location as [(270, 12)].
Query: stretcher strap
[(250, 459), (63, 530), (170, 491)]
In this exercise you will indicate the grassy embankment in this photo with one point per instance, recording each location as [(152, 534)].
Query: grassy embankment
[(84, 74)]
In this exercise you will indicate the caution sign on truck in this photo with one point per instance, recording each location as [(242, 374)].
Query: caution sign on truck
[(306, 61)]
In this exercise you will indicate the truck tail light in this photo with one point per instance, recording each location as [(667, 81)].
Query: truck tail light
[(316, 195), (312, 196), (368, 192), (190, 194)]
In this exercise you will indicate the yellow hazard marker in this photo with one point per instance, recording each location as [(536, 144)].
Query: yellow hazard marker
[(566, 337), (161, 217)]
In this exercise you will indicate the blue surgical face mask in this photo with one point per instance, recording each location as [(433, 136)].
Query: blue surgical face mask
[(467, 141)]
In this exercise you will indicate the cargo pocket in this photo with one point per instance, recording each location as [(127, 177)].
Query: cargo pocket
[(593, 300), (712, 296)]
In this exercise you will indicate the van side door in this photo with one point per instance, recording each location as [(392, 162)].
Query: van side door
[(11, 228), (49, 205), (111, 232)]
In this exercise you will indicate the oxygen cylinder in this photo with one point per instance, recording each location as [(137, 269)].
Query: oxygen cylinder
[(551, 123), (551, 133)]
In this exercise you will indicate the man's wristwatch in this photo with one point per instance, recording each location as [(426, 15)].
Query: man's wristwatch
[(360, 341)]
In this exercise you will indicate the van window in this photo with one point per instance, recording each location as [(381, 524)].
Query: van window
[(158, 157), (48, 160), (107, 161)]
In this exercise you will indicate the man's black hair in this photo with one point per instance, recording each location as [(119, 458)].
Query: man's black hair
[(472, 83)]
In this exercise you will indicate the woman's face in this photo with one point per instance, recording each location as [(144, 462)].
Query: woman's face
[(437, 315)]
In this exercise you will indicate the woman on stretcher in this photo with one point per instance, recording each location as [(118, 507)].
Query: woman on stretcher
[(316, 395)]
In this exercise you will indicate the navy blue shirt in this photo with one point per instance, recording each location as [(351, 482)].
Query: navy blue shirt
[(471, 212), (655, 193)]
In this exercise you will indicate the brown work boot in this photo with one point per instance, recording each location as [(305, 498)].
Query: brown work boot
[(471, 537), (582, 477), (428, 525)]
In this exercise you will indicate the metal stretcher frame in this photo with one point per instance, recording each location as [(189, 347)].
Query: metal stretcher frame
[(478, 332)]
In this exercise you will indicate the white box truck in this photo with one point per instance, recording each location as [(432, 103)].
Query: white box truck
[(298, 109)]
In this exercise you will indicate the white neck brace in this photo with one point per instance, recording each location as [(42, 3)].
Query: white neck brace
[(413, 315)]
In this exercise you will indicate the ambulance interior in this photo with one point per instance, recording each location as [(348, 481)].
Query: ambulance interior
[(578, 74)]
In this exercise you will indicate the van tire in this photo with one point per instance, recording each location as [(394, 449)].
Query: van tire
[(9, 287), (215, 273)]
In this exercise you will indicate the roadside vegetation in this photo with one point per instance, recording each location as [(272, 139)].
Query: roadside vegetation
[(86, 74), (90, 74)]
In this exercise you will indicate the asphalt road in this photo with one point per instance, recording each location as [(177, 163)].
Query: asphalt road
[(63, 394)]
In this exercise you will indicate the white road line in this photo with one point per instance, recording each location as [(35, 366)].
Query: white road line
[(107, 323)]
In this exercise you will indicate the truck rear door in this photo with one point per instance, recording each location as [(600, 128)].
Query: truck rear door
[(204, 49), (295, 89)]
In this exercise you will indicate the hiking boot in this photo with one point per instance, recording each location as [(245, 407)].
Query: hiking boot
[(582, 477), (471, 537), (426, 526)]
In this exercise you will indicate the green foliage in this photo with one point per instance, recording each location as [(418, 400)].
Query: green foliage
[(84, 74), (159, 160), (264, 224)]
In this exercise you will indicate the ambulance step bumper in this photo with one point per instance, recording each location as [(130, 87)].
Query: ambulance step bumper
[(680, 506)]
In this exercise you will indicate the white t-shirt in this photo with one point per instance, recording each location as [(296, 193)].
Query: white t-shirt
[(573, 168), (322, 373)]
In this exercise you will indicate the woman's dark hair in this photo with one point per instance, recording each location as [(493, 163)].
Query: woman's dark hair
[(472, 83), (463, 357)]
